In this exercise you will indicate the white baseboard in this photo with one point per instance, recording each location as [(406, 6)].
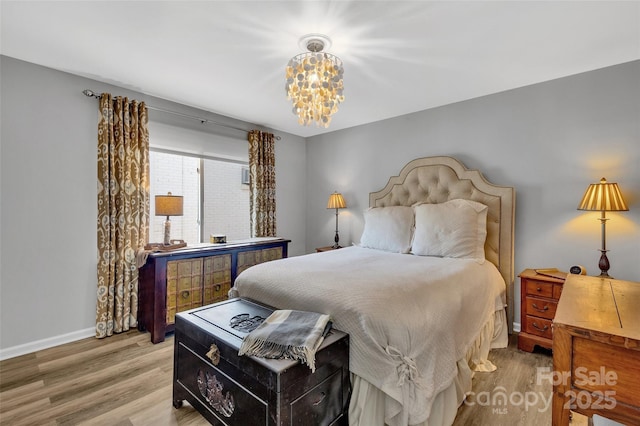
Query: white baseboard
[(516, 327), (47, 343)]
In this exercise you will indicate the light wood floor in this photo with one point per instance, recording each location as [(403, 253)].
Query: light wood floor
[(126, 380)]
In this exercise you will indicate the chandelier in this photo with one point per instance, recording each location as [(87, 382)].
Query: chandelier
[(314, 82)]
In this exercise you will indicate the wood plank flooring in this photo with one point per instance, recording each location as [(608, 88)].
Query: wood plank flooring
[(126, 380)]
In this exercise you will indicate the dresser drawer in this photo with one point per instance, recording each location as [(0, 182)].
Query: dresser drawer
[(543, 308), (539, 288), (538, 326)]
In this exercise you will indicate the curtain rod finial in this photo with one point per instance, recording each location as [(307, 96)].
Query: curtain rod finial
[(89, 93)]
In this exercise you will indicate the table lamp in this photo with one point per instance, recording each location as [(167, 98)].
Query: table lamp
[(168, 205), (603, 197), (336, 201)]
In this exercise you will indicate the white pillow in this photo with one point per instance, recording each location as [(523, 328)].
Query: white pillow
[(456, 228), (388, 228)]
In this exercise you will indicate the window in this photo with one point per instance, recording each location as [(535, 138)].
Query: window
[(215, 197), (226, 200)]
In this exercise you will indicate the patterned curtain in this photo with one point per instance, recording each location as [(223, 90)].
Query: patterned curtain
[(123, 210), (262, 165)]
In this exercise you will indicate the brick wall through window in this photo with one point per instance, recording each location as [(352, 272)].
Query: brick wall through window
[(226, 199)]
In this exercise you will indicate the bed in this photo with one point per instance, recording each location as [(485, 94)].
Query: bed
[(424, 296)]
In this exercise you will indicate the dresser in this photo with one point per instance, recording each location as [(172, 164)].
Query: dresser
[(596, 350), (197, 275), (539, 296)]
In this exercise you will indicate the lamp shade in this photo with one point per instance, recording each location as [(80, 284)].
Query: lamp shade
[(603, 196), (168, 205), (336, 201)]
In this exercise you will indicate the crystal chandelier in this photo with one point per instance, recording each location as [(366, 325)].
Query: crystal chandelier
[(314, 82)]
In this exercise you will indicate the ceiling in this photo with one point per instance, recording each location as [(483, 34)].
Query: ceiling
[(228, 57)]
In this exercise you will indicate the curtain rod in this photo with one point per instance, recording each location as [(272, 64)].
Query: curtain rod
[(92, 94)]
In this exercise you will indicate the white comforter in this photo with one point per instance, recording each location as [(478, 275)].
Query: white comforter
[(410, 318)]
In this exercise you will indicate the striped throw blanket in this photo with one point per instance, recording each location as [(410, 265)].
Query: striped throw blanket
[(288, 334)]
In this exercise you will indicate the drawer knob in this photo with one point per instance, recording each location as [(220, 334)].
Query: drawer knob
[(546, 308), (185, 294), (322, 397), (545, 328), (539, 289), (214, 354), (217, 287)]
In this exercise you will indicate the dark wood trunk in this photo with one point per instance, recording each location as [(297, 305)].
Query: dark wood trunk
[(228, 389)]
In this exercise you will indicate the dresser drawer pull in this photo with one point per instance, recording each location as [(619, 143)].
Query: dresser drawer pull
[(539, 289), (214, 354), (545, 328), (545, 309), (185, 294), (217, 287), (322, 397)]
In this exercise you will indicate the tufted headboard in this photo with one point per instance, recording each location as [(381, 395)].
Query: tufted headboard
[(439, 179)]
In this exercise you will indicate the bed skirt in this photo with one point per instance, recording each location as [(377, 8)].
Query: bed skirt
[(366, 407)]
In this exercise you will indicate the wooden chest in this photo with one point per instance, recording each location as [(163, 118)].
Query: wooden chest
[(228, 389)]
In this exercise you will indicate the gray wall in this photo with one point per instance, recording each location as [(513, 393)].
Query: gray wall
[(48, 206), (549, 141)]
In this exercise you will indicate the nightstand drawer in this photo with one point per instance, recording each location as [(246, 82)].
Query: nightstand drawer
[(538, 326), (541, 307), (538, 288)]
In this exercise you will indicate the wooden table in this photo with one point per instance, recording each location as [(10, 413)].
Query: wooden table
[(596, 350)]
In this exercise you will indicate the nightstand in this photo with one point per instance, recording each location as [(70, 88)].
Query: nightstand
[(539, 296), (327, 248)]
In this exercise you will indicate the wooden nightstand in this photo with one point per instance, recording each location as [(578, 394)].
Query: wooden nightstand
[(327, 248), (539, 296)]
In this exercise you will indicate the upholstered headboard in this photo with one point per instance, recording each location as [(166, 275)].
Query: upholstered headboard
[(439, 179)]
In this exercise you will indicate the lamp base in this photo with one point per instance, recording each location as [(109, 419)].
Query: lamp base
[(336, 238), (604, 265), (167, 231)]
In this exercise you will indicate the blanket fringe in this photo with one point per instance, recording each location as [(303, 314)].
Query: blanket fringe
[(268, 349)]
